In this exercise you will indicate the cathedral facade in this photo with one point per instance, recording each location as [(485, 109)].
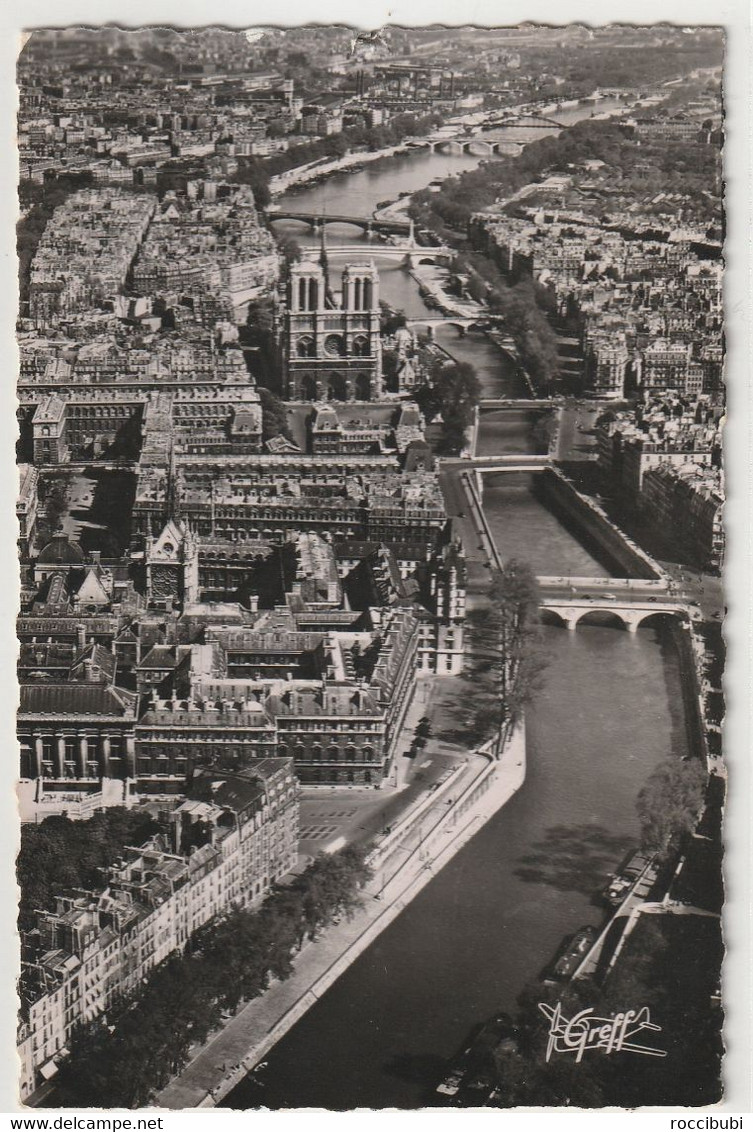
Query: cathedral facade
[(331, 344)]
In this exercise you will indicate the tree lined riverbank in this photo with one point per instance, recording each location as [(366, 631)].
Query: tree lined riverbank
[(413, 856), (485, 926)]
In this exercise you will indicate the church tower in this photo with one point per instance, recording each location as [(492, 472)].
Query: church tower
[(172, 567), (332, 351)]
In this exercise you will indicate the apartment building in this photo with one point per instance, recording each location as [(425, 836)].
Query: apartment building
[(233, 837)]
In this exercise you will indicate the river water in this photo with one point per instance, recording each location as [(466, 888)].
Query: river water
[(358, 194), (494, 916), (610, 709)]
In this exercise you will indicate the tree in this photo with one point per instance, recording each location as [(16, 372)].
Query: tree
[(389, 369), (511, 636), (289, 248), (60, 854), (276, 128), (669, 803), (258, 334), (55, 506), (390, 320), (260, 316), (226, 963), (454, 391), (274, 417)]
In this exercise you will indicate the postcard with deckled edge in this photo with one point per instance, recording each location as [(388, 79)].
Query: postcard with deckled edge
[(371, 537)]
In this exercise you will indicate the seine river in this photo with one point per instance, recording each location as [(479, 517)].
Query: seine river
[(611, 708)]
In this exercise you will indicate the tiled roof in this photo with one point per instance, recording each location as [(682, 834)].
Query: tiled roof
[(74, 699)]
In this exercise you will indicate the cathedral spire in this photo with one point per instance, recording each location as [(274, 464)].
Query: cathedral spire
[(329, 297)]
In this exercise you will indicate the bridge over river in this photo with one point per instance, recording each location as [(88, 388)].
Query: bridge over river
[(318, 219), (488, 139), (631, 601), (410, 252), (628, 607)]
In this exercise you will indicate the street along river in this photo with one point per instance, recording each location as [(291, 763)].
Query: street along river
[(610, 709), (490, 920)]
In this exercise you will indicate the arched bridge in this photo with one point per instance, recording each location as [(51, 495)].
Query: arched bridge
[(631, 613), (484, 142), (460, 323), (479, 146)]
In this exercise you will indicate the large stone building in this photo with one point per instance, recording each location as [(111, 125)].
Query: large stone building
[(332, 349), (75, 733), (232, 839), (687, 502)]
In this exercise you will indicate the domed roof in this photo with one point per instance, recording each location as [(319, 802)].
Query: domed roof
[(60, 552)]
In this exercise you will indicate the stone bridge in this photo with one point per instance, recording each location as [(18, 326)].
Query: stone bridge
[(316, 220), (412, 253), (492, 405), (461, 323), (521, 461), (630, 613), (480, 147)]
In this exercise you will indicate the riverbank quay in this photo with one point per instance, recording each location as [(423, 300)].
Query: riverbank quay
[(594, 520), (506, 344), (319, 170), (700, 657), (429, 287), (402, 868), (488, 542)]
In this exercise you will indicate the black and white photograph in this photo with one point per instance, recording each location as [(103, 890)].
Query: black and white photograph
[(371, 390)]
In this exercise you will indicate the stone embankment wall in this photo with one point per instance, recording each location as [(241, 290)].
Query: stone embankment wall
[(325, 167), (690, 650), (588, 519)]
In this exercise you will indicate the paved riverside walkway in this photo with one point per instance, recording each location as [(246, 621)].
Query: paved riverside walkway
[(429, 837)]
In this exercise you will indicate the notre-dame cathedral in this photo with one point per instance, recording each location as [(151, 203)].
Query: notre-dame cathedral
[(330, 343)]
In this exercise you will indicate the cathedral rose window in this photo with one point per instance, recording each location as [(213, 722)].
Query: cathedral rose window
[(334, 345)]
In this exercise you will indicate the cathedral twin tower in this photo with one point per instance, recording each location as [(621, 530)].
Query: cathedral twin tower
[(332, 349)]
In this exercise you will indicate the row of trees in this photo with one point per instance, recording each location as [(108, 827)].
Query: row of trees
[(257, 171), (258, 336), (274, 417), (523, 307), (122, 1061), (55, 500), (669, 803), (453, 390), (512, 634)]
